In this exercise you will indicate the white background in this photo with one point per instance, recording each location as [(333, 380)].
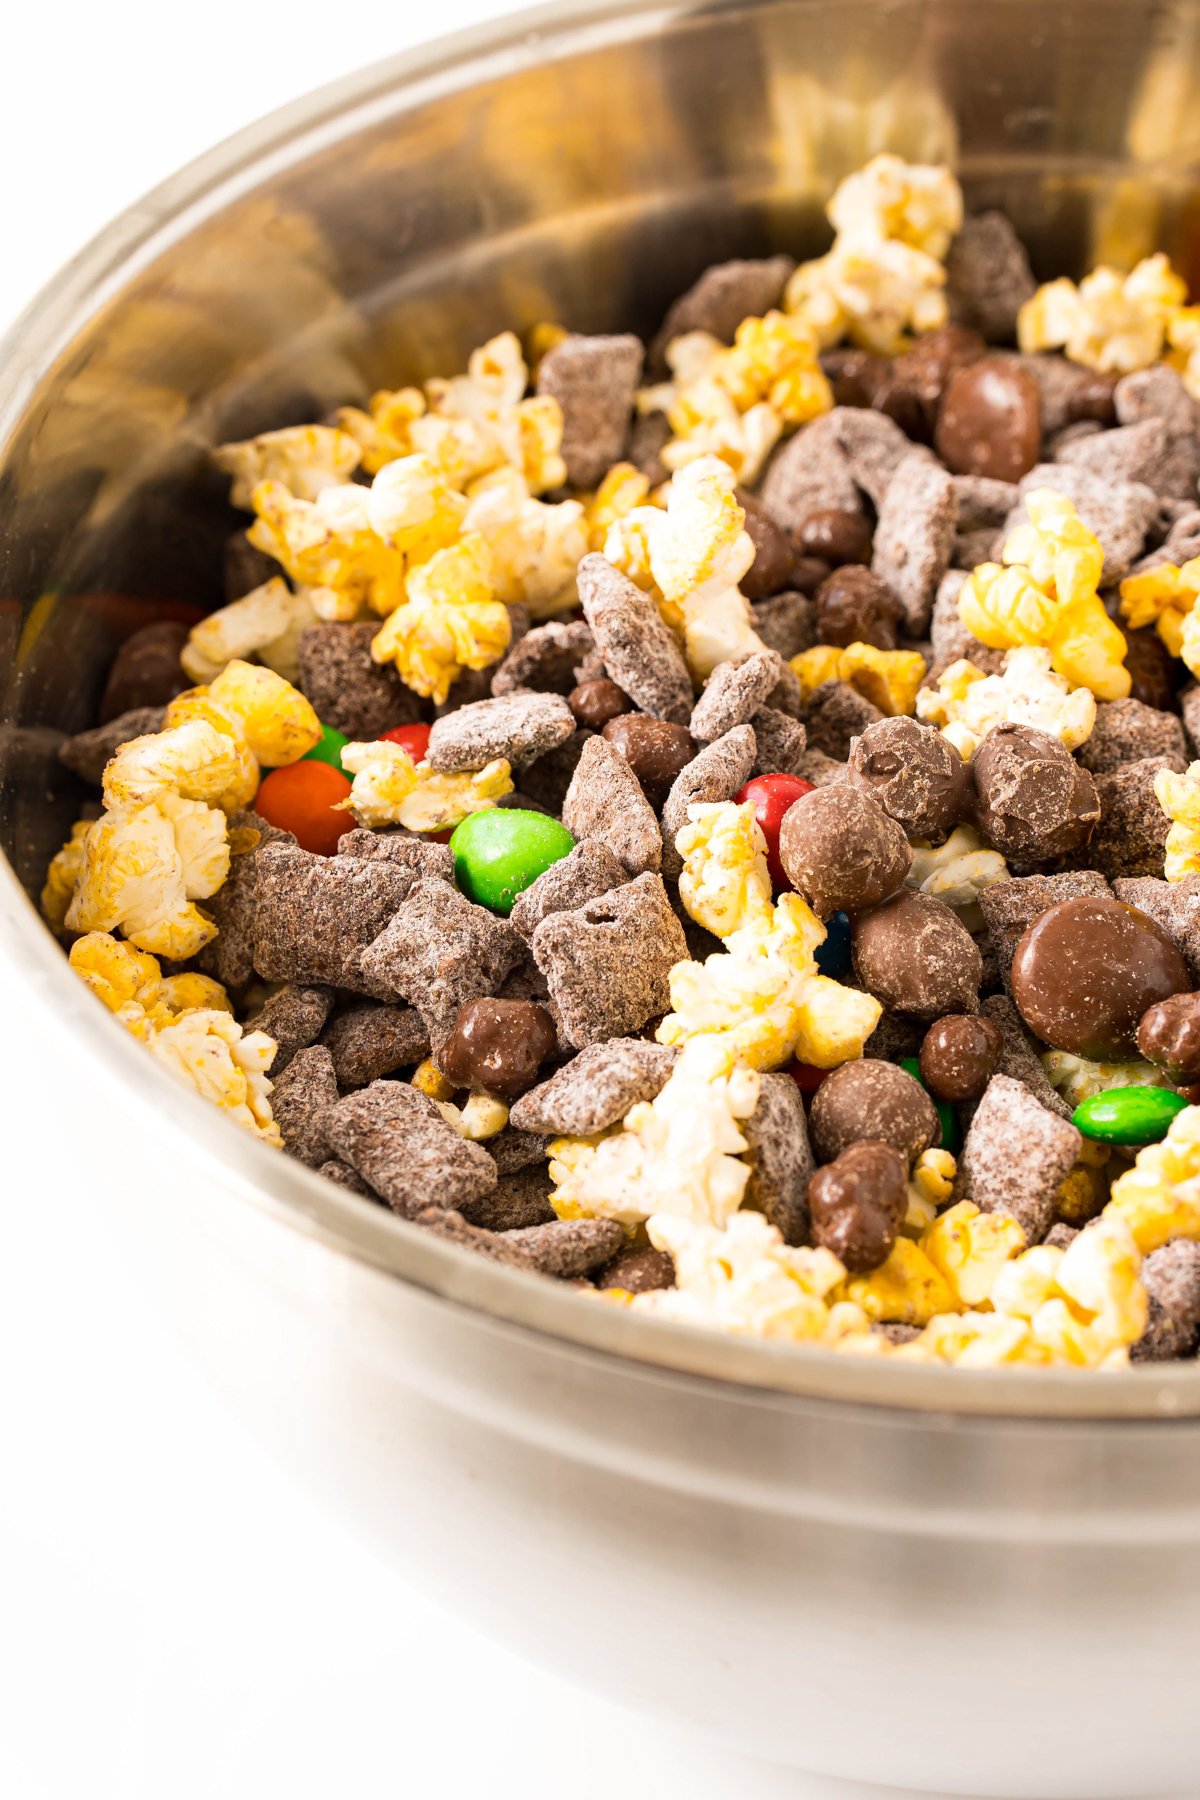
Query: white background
[(176, 1621)]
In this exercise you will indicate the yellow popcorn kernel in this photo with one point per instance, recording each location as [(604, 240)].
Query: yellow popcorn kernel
[(1046, 595), (238, 761), (1100, 1282), (774, 359), (450, 621), (390, 789), (384, 431), (725, 883), (816, 666), (328, 544), (919, 204), (142, 868), (482, 1117), (193, 758), (969, 1248), (1112, 322), (979, 1340), (191, 992), (305, 458), (209, 1052), (1165, 597), (1159, 1198), (116, 973), (273, 717), (929, 1186), (1025, 1284), (907, 1289), (745, 1279), (966, 704), (429, 1080), (1179, 797), (62, 876), (265, 623), (622, 489), (413, 509), (889, 679), (535, 548)]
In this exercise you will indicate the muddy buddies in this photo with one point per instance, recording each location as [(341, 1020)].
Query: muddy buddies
[(713, 821)]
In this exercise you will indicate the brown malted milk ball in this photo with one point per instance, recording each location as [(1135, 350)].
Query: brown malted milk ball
[(837, 536), (990, 420), (840, 850), (655, 750), (872, 1099), (916, 957), (1033, 801), (856, 606), (638, 1271), (774, 557), (915, 774), (959, 1056), (1087, 970), (499, 1046), (1169, 1037), (145, 670), (858, 1203), (594, 703)]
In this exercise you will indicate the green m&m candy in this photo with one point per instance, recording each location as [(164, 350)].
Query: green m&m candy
[(947, 1117), (1128, 1115), (500, 852), (328, 749)]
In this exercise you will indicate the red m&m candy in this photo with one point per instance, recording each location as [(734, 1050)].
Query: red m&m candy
[(413, 738), (771, 796), (302, 799)]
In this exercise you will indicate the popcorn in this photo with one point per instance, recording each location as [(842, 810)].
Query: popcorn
[(390, 789), (957, 872), (969, 1248), (1179, 797), (61, 877), (535, 548), (276, 721), (265, 623), (384, 432), (883, 278), (1165, 597), (1077, 1079), (966, 703), (482, 1117), (695, 553), (306, 459), (192, 758), (622, 489), (226, 1066), (428, 1079), (908, 1289), (142, 868), (330, 546), (412, 507), (889, 679), (929, 1186), (725, 884), (1159, 1198), (745, 1279), (450, 621), (1113, 322), (677, 1154), (1046, 595), (132, 986)]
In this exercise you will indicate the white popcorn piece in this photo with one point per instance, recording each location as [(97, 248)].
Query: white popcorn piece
[(725, 883), (1077, 1079), (957, 872), (745, 1279), (966, 704), (265, 623), (307, 459), (390, 789)]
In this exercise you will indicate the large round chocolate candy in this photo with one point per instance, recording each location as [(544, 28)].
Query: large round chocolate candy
[(917, 777), (990, 421), (1086, 971), (841, 851), (915, 955), (1034, 802), (871, 1099)]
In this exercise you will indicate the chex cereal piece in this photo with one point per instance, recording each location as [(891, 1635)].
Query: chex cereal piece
[(1018, 1059), (299, 1100), (983, 501), (589, 871), (781, 742), (546, 781), (715, 774), (1158, 393), (787, 623), (439, 951), (807, 474), (874, 447), (720, 298), (595, 381), (915, 535), (567, 1246), (1060, 1235), (596, 1088), (988, 278), (836, 714), (1130, 453), (518, 727), (605, 801), (607, 964), (413, 857), (86, 753), (780, 1158), (1015, 1157), (1175, 905), (448, 1224), (1171, 1278), (1127, 731), (234, 906), (821, 769), (513, 1149), (354, 695), (650, 434), (544, 661), (373, 1040), (295, 1018), (1131, 837), (970, 549), (337, 1170), (639, 651), (314, 915), (1009, 906), (399, 1143), (734, 692), (525, 980), (1119, 513), (516, 1201)]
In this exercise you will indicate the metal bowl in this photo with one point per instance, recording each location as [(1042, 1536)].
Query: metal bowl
[(969, 1582)]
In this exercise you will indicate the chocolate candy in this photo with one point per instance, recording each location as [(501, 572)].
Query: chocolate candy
[(774, 558), (838, 537), (840, 850), (1092, 397), (1034, 802), (499, 853), (833, 956), (875, 1100), (915, 956), (328, 749), (990, 420), (1130, 1115), (1151, 669), (854, 375), (855, 606), (915, 774), (655, 750), (858, 1203), (594, 703), (498, 1045), (959, 1056), (638, 1271), (913, 384), (1169, 1037), (145, 670), (1087, 970)]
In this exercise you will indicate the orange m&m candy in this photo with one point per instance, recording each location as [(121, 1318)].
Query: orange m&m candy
[(302, 799)]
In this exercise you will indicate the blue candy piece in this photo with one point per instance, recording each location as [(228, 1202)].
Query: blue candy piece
[(833, 956)]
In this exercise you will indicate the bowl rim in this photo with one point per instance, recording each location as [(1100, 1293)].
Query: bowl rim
[(288, 1192)]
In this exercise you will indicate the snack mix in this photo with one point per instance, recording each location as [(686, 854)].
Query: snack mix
[(713, 824)]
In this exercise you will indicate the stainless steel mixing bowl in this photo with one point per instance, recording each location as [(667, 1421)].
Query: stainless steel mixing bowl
[(971, 1582)]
